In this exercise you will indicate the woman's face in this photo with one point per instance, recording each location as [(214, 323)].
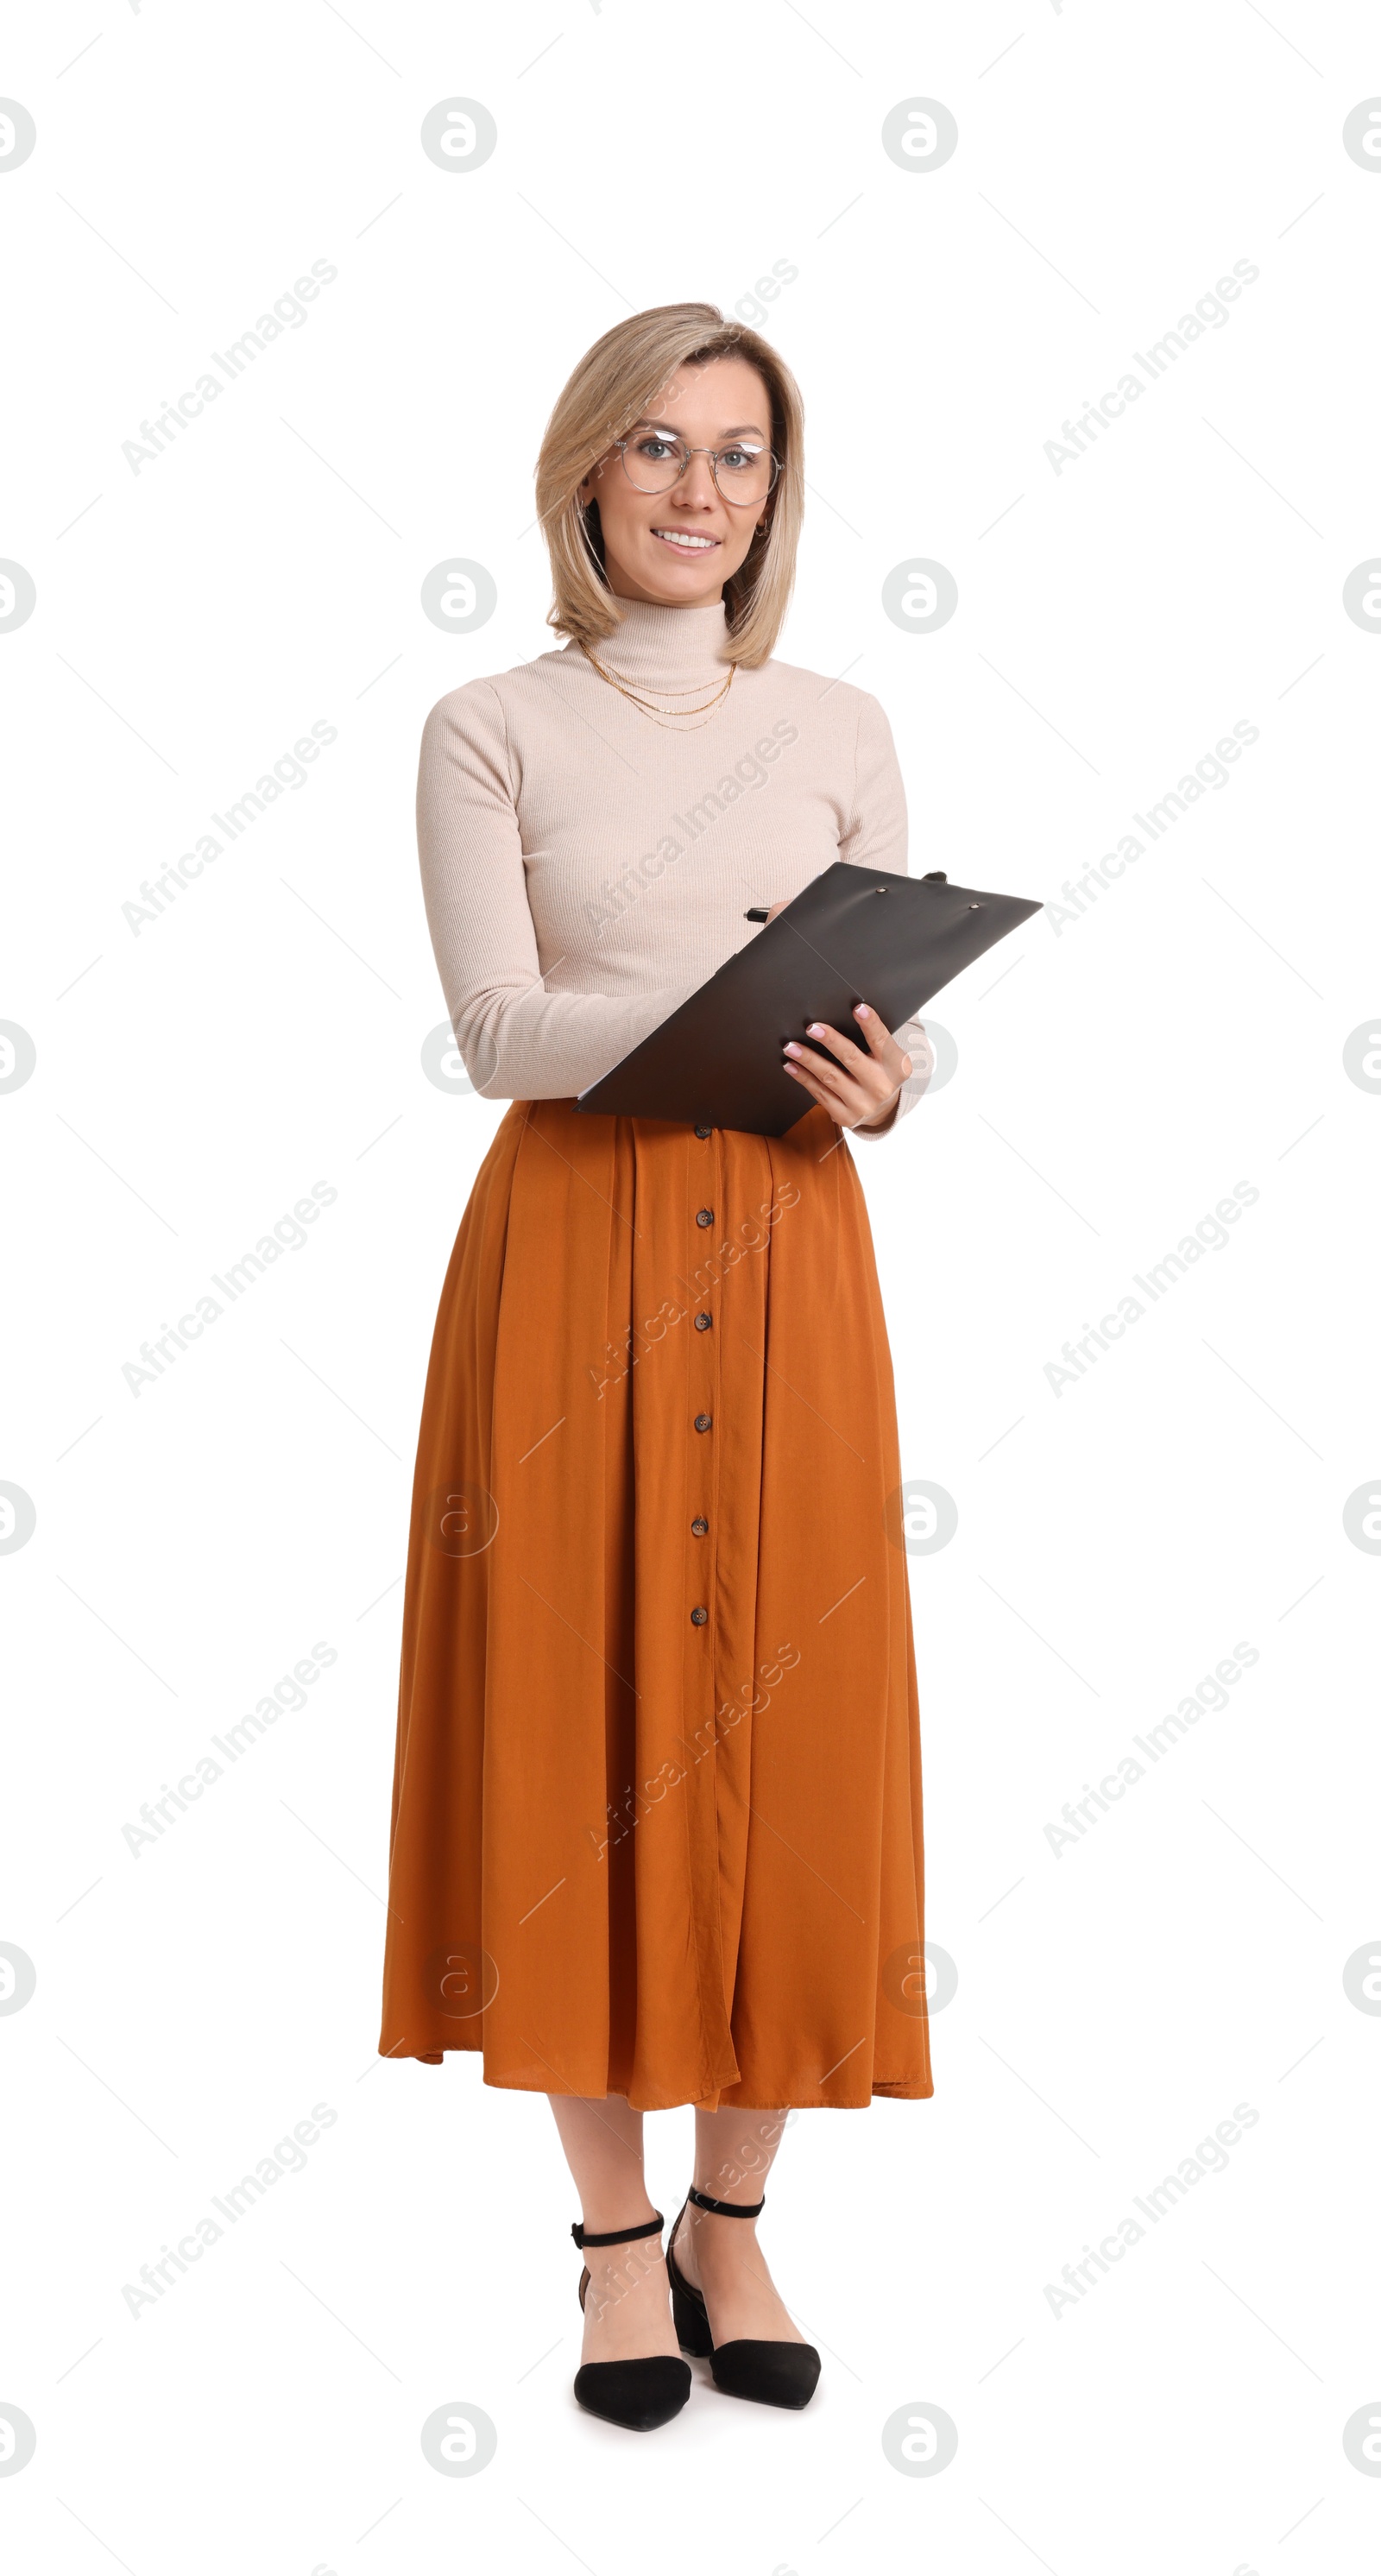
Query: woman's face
[(680, 547)]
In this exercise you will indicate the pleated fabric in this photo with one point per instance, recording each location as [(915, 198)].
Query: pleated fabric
[(657, 1795)]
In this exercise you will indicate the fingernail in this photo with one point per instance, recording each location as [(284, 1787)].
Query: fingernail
[(815, 1029), (791, 1047), (861, 1011)]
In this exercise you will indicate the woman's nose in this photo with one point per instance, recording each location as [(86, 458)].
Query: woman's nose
[(697, 484)]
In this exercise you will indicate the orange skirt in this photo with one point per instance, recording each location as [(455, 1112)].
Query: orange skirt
[(657, 1797)]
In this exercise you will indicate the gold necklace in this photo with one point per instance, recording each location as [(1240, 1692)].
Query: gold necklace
[(666, 717)]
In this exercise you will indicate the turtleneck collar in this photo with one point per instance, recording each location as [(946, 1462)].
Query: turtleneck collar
[(657, 647)]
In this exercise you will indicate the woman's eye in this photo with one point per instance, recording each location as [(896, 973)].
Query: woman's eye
[(738, 459), (654, 449)]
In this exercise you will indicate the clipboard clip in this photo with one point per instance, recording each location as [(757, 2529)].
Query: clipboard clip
[(935, 876)]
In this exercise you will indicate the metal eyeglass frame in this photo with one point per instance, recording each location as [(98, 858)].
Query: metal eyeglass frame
[(623, 444)]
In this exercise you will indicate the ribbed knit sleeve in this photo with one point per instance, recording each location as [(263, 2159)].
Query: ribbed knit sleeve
[(518, 1040), (876, 838)]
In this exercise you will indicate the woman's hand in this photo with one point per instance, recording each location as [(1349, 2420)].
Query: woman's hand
[(860, 1088)]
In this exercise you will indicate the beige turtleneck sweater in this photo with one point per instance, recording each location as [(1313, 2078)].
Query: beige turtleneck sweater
[(585, 867)]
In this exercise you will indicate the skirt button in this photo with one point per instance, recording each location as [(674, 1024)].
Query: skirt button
[(703, 1421), (704, 1216), (699, 1528), (703, 1323), (698, 1618)]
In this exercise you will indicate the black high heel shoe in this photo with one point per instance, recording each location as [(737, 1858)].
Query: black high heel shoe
[(775, 2374), (641, 2393)]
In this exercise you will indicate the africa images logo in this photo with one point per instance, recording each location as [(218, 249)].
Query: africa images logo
[(288, 314)]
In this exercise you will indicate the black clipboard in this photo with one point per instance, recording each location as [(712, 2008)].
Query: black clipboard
[(852, 935)]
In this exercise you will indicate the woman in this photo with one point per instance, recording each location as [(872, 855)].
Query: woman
[(656, 1818)]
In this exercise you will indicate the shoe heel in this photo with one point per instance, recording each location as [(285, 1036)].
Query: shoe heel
[(692, 2326)]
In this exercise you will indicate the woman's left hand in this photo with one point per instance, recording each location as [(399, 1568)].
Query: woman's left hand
[(859, 1088)]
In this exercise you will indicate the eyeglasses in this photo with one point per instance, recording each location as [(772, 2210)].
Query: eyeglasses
[(744, 471)]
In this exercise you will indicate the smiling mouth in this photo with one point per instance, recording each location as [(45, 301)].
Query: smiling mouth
[(685, 543)]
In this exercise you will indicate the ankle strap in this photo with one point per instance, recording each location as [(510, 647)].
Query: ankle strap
[(726, 2208), (621, 2235)]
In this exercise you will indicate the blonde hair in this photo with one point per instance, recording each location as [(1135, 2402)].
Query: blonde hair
[(613, 386)]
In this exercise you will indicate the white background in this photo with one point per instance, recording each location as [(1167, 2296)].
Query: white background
[(1115, 1541)]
